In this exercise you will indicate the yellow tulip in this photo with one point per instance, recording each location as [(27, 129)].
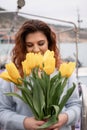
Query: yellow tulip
[(49, 62), (26, 68), (49, 66), (38, 60), (4, 75), (30, 57), (48, 53), (34, 60), (67, 69), (13, 72)]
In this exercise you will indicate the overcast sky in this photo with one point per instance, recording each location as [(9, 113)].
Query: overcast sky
[(57, 9)]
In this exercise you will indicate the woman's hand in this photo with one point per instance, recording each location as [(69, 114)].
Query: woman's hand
[(30, 123), (63, 118)]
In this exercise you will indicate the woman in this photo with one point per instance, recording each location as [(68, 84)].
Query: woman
[(34, 36)]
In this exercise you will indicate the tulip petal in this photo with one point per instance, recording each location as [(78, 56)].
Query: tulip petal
[(67, 69), (26, 68), (5, 76), (13, 72)]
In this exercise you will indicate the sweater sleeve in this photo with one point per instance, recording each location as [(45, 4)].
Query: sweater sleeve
[(9, 119), (73, 106)]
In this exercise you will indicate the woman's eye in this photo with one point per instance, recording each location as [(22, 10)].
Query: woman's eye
[(29, 45), (41, 43)]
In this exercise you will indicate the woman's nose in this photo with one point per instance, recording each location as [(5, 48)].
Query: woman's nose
[(36, 49)]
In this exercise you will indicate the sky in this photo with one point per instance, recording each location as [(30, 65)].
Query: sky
[(67, 10)]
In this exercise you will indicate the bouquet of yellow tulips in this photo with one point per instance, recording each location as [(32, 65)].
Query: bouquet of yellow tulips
[(39, 90)]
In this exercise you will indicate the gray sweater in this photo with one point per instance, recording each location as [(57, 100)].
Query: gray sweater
[(13, 111)]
